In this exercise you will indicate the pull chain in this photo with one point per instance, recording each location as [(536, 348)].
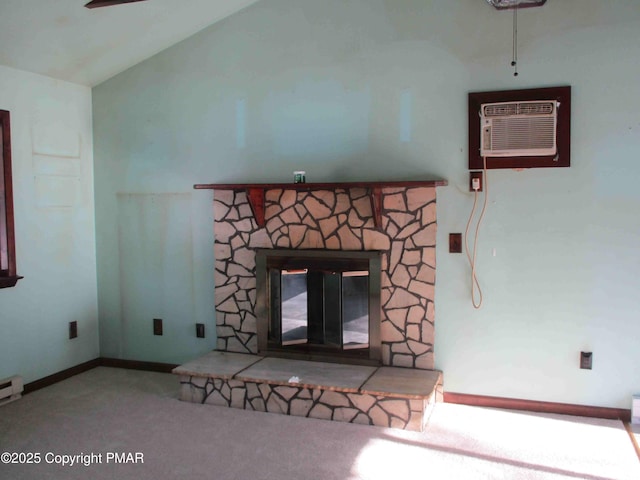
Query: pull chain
[(514, 46)]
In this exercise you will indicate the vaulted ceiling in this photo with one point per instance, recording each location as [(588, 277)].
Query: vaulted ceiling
[(64, 40)]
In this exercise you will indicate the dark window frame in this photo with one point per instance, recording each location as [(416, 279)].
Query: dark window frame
[(8, 272)]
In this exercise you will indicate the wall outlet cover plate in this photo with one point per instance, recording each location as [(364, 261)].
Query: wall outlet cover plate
[(586, 360)]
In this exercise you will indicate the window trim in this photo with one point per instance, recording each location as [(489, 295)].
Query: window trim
[(8, 275)]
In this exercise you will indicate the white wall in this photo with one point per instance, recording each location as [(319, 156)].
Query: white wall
[(375, 89), (52, 156), (564, 275)]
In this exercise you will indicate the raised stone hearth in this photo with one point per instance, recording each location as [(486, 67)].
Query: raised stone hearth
[(381, 396), (396, 386)]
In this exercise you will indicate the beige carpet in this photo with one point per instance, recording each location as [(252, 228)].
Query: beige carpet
[(111, 410)]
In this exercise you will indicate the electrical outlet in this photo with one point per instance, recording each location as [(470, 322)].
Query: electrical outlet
[(73, 329), (477, 176), (157, 326), (586, 360), (200, 330), (455, 243)]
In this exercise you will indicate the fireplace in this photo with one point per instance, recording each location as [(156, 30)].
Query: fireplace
[(281, 247), (319, 304)]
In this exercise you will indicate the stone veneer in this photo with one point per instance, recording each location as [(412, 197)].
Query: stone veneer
[(366, 409), (339, 219)]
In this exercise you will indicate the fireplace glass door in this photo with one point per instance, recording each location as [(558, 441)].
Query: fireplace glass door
[(319, 303), (320, 308)]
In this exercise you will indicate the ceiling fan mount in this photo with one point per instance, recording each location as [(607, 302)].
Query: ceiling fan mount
[(108, 3), (509, 4)]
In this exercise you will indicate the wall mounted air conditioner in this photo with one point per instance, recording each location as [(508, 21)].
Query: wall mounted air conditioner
[(518, 129)]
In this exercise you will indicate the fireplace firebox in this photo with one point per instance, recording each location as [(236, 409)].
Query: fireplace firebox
[(319, 304)]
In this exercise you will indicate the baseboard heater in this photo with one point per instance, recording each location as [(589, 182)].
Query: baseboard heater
[(11, 389)]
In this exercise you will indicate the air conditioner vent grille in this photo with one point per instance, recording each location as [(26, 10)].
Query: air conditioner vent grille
[(518, 108), (500, 109), (523, 133)]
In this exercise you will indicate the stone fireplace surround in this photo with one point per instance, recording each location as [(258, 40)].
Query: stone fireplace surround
[(340, 218), (397, 219)]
